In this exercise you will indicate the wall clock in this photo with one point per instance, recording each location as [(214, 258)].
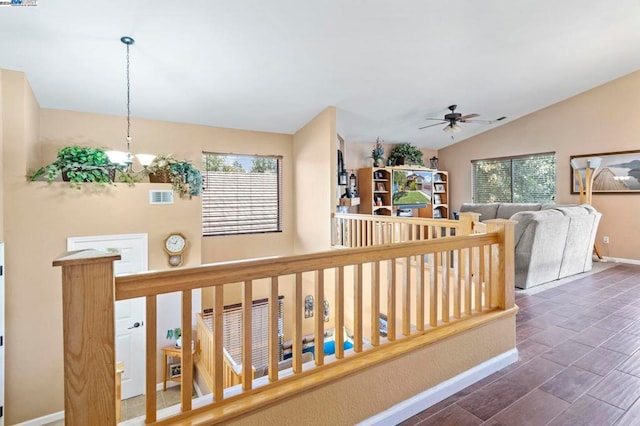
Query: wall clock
[(175, 246)]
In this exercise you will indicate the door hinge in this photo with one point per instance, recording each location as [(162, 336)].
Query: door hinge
[(1, 410), (1, 340), (1, 270)]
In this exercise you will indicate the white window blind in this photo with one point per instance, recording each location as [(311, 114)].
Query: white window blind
[(242, 194), (232, 326), (522, 179)]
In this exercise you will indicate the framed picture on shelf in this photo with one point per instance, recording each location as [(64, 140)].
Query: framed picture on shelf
[(437, 178), (436, 199), (437, 214), (439, 187), (174, 370), (380, 187)]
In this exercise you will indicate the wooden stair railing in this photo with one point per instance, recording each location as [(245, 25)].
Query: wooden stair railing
[(427, 284)]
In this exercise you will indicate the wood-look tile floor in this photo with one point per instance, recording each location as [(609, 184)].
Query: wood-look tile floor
[(579, 360)]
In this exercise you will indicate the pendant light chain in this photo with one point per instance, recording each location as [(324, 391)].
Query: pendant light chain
[(128, 101)]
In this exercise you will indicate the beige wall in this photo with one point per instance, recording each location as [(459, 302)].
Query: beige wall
[(363, 394), (315, 169), (39, 218), (599, 120), (358, 154)]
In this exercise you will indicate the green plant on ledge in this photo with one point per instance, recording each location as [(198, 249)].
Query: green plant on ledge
[(405, 153), (77, 165), (184, 177)]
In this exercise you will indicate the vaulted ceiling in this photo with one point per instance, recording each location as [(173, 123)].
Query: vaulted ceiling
[(273, 65)]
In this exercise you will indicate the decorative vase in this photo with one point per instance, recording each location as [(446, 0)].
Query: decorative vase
[(379, 162), (179, 342), (399, 161)]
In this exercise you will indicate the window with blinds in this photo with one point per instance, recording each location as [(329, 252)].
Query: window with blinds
[(242, 194), (232, 325), (522, 179)]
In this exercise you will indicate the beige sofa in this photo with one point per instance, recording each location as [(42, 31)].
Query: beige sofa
[(551, 241)]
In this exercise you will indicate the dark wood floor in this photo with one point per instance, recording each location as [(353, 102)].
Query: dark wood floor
[(579, 363)]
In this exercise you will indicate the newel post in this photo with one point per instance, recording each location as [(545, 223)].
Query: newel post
[(467, 220), (505, 263), (89, 343)]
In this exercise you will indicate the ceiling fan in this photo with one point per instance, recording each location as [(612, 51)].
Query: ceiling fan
[(453, 118)]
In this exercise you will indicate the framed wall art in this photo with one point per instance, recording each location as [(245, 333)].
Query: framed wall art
[(619, 173)]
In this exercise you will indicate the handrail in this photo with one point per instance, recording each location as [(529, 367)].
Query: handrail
[(362, 230), (420, 286)]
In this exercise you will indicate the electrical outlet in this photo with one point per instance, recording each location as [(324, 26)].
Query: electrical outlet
[(605, 240)]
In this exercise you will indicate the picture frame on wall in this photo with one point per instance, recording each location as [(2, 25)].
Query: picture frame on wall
[(619, 173), (439, 187)]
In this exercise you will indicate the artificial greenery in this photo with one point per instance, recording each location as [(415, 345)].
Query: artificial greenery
[(174, 333), (378, 152), (409, 153), (185, 178), (79, 164)]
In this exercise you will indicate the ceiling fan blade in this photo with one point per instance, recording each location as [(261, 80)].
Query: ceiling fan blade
[(439, 119), (431, 125), (468, 116), (486, 121)]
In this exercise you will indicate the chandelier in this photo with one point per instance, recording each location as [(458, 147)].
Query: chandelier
[(121, 158)]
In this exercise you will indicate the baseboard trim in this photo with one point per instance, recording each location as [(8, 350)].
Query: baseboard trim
[(420, 402), (621, 260), (49, 418), (160, 386)]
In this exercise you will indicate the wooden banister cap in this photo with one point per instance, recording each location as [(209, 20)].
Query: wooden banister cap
[(81, 257)]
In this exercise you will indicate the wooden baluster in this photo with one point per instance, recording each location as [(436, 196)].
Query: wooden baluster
[(375, 304), (297, 325), (457, 284), (357, 308), (479, 276), (468, 270), (482, 275), (433, 290), (406, 297), (319, 318), (186, 359), (151, 366), (247, 333), (391, 301), (338, 333), (414, 236), (218, 333), (446, 297), (89, 337), (420, 296), (490, 275), (274, 343)]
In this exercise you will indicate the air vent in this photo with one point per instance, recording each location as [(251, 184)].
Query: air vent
[(160, 197)]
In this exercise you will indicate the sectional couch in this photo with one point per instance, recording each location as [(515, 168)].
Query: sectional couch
[(551, 241)]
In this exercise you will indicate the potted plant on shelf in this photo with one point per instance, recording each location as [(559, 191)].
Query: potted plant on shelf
[(405, 153), (175, 333), (184, 177), (377, 154), (77, 164)]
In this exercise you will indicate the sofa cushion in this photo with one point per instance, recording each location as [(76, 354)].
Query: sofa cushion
[(524, 218), (506, 210), (487, 210)]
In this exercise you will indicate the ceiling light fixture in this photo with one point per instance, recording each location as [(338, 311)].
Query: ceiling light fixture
[(452, 128), (121, 158)]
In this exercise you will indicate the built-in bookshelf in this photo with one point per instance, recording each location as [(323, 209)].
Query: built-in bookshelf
[(374, 189)]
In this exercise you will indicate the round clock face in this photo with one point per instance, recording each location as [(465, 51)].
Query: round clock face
[(175, 243)]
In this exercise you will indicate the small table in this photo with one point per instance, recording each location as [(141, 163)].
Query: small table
[(173, 352)]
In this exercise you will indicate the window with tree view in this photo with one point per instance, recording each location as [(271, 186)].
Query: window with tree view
[(242, 194), (523, 179)]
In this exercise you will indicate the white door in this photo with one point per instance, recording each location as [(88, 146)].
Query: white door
[(2, 272), (129, 314)]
